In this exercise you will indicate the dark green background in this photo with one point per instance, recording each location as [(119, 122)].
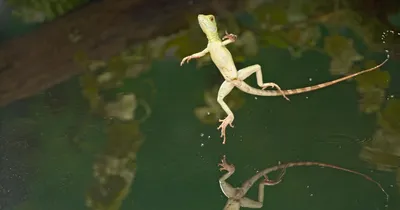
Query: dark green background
[(176, 172), (177, 165)]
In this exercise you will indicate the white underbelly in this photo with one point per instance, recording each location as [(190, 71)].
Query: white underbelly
[(222, 58)]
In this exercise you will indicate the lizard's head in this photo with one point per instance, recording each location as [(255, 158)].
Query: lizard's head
[(207, 24)]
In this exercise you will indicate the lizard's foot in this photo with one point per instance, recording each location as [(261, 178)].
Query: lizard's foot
[(187, 59), (225, 166), (190, 57), (231, 37), (269, 182), (274, 85), (225, 122)]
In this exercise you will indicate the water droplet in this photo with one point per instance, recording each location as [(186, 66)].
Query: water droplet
[(202, 134), (202, 144), (208, 113), (310, 79), (255, 98)]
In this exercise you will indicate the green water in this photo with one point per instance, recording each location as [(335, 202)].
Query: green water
[(177, 164)]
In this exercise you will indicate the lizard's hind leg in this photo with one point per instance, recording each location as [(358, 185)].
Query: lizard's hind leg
[(249, 203), (226, 188), (223, 91), (247, 71)]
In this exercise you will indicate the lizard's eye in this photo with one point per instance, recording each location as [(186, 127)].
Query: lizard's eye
[(212, 18)]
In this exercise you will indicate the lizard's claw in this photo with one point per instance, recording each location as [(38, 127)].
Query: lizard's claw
[(225, 166), (225, 122), (274, 85), (187, 59), (231, 37)]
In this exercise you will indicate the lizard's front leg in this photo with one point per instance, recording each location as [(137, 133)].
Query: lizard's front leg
[(228, 38), (223, 91), (226, 188), (246, 72), (195, 55)]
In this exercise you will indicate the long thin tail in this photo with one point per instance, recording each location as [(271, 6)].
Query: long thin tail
[(246, 186), (259, 92)]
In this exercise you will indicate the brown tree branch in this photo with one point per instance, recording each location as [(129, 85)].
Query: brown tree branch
[(43, 58)]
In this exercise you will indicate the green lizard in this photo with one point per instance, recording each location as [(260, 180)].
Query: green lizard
[(222, 58), (236, 196)]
